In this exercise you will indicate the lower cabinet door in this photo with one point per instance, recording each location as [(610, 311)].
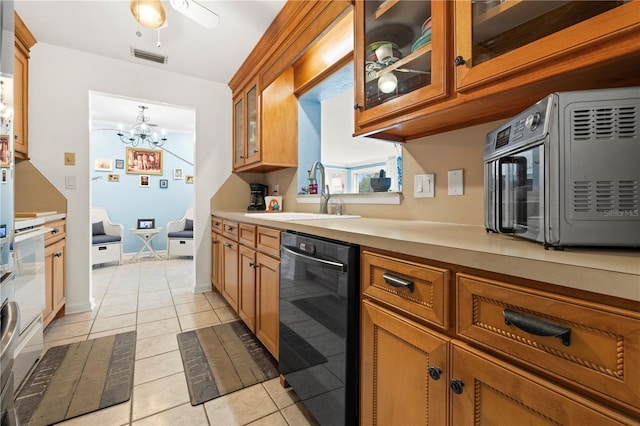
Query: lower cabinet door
[(268, 302), (488, 391), (247, 302), (230, 282), (404, 370)]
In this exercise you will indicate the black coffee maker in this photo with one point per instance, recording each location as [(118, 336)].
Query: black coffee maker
[(258, 192)]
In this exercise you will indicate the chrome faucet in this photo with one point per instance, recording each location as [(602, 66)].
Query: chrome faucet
[(324, 191)]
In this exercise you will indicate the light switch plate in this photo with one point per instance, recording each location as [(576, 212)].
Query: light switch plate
[(70, 182), (69, 158), (456, 182), (424, 186)]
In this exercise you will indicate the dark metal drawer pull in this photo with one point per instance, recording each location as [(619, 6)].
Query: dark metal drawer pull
[(397, 281), (536, 326), (227, 245)]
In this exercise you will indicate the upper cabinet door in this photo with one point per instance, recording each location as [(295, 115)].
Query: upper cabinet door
[(498, 38), (238, 132), (399, 56), (253, 152)]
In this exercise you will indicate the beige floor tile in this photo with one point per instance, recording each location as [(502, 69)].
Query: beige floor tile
[(110, 323), (63, 342), (283, 397), (148, 304), (226, 314), (112, 332), (156, 345), (155, 295), (118, 300), (181, 298), (156, 367), (193, 308), (156, 314), (199, 320), (115, 415), (79, 317), (183, 415), (298, 415), (216, 300), (275, 419), (157, 328), (112, 311), (159, 395), (241, 407), (66, 331)]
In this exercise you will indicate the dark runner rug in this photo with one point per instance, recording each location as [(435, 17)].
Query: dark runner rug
[(222, 359), (78, 378)]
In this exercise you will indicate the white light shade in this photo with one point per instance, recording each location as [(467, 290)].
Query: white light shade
[(387, 83), (150, 13)]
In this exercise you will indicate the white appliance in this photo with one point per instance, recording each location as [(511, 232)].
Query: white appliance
[(29, 288)]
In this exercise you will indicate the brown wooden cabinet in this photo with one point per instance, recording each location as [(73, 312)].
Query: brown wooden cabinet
[(24, 40), (54, 262), (247, 269), (268, 301), (512, 354), (216, 253), (230, 282), (265, 126), (486, 60)]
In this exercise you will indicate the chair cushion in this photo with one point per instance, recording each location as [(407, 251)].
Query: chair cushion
[(97, 228), (103, 239), (181, 234), (188, 225)]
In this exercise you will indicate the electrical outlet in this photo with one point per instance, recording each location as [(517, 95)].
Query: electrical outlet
[(276, 189), (456, 182), (424, 186)]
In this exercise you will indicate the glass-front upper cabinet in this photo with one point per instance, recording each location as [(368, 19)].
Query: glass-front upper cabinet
[(495, 38), (245, 128), (399, 51)]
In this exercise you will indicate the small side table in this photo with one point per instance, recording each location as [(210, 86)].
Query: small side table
[(145, 235)]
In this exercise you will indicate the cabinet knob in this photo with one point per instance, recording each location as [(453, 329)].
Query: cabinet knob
[(357, 107), (229, 228), (55, 231), (227, 245), (255, 151), (435, 372), (459, 60), (15, 137), (242, 157), (456, 385), (253, 265), (58, 254)]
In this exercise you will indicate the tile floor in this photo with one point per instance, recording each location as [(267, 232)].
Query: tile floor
[(155, 298)]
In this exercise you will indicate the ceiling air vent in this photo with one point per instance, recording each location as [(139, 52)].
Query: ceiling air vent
[(148, 56)]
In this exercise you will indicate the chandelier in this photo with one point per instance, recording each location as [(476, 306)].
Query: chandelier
[(142, 132)]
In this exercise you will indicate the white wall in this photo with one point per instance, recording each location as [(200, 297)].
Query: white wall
[(59, 84)]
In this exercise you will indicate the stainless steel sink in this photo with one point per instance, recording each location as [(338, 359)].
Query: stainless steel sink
[(289, 216)]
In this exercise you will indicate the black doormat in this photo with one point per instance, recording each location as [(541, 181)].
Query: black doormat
[(78, 378), (222, 359)]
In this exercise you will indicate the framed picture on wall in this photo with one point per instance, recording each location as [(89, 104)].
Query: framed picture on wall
[(164, 183), (144, 161), (177, 173), (120, 164), (143, 181), (103, 165), (114, 178), (5, 158), (188, 179)]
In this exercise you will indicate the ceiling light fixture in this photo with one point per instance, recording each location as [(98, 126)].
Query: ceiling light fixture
[(149, 13), (142, 132)]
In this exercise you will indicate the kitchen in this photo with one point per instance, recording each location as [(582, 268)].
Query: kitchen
[(430, 154)]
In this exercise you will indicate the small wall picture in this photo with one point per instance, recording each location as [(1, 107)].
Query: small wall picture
[(5, 157), (120, 164), (164, 183), (113, 178), (143, 181), (177, 173), (188, 179), (104, 165), (144, 161), (4, 175)]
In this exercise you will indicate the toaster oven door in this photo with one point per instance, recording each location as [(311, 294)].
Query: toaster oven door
[(520, 197)]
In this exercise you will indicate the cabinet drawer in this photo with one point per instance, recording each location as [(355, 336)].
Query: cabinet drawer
[(230, 229), (58, 231), (216, 224), (269, 241), (412, 287), (598, 348), (247, 234)]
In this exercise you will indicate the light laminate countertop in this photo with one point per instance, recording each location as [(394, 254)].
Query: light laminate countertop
[(613, 272)]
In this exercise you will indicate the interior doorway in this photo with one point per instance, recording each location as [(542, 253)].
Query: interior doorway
[(138, 178)]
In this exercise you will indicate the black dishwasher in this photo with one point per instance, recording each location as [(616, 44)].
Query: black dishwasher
[(319, 295)]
